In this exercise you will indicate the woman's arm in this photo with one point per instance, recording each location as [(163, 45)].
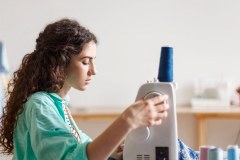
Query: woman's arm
[(140, 114), (118, 153)]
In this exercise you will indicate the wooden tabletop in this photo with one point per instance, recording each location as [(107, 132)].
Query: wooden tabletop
[(113, 112), (201, 115)]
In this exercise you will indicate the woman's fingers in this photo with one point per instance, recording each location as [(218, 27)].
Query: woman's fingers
[(161, 115), (157, 108), (162, 107), (156, 118), (158, 99), (157, 104), (147, 112)]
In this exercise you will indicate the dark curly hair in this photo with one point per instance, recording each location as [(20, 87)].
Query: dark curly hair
[(42, 70)]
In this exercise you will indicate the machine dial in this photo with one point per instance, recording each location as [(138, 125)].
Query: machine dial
[(143, 134)]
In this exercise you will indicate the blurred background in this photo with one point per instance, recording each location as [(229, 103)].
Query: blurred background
[(204, 34)]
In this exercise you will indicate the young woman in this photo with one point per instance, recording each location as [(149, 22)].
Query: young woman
[(36, 122)]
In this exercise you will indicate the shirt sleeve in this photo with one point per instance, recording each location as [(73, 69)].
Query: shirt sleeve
[(49, 135)]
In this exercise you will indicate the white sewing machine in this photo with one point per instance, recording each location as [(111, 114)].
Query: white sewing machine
[(157, 142)]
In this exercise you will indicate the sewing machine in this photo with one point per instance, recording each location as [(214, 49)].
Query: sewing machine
[(157, 142)]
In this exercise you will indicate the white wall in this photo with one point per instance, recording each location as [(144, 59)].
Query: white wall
[(205, 35)]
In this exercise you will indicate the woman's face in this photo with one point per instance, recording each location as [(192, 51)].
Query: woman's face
[(81, 68)]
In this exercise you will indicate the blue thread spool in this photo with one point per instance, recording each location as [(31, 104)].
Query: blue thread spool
[(165, 71), (215, 154), (232, 152)]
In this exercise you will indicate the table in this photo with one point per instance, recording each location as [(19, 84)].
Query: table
[(228, 112), (96, 113), (201, 115)]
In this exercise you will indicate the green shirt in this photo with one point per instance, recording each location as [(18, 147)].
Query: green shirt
[(42, 133)]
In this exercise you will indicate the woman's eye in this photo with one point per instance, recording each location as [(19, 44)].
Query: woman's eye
[(85, 63)]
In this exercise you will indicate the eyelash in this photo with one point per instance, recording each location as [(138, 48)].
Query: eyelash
[(84, 63)]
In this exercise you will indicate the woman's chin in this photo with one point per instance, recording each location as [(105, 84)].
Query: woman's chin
[(81, 88)]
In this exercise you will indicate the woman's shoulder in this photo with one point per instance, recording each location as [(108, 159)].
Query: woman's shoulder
[(41, 95), (39, 103), (39, 98)]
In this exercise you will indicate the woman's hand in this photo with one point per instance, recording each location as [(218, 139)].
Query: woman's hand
[(118, 153), (148, 112), (140, 114)]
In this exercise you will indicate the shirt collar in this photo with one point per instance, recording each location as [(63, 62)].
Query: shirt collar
[(59, 99)]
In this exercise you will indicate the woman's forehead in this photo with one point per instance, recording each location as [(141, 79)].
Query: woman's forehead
[(89, 50)]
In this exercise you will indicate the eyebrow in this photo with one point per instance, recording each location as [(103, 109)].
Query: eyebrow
[(88, 57)]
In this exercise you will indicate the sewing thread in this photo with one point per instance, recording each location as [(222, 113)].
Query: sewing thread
[(215, 154), (232, 152), (204, 152), (165, 72)]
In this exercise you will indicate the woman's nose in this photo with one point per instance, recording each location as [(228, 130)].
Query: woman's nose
[(92, 69)]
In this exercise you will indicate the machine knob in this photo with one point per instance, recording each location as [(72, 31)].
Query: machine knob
[(143, 134), (140, 134), (151, 95)]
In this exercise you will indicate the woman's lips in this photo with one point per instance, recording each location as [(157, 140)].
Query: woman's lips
[(88, 81)]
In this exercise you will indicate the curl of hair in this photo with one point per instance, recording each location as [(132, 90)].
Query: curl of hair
[(42, 70)]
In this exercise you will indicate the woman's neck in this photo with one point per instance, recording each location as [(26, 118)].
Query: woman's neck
[(64, 91)]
